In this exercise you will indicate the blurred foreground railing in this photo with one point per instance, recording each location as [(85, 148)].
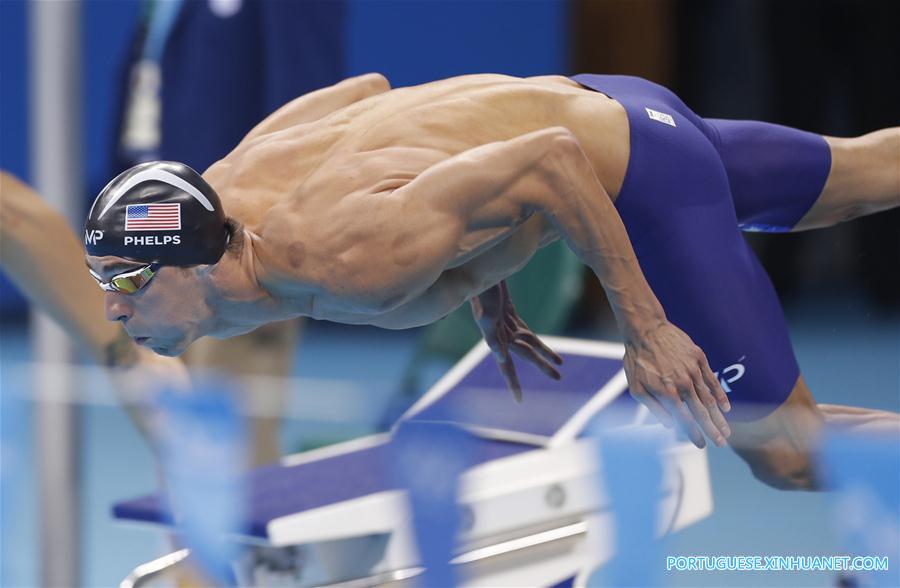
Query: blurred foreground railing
[(56, 147)]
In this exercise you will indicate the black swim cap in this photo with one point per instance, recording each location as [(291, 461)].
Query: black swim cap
[(160, 211)]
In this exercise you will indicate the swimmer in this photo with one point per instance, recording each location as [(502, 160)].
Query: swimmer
[(366, 205)]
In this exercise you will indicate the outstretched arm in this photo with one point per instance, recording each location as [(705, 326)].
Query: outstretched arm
[(42, 255), (546, 172)]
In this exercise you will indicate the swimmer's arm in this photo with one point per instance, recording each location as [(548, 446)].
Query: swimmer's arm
[(43, 257), (546, 172), (501, 185), (320, 103)]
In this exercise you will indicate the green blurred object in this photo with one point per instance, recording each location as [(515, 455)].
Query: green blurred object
[(544, 291)]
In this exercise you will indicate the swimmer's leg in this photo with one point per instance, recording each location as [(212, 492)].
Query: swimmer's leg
[(785, 179), (779, 448), (864, 179), (862, 420)]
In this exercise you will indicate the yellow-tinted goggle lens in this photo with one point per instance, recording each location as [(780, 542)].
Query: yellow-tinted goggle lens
[(129, 284), (124, 285)]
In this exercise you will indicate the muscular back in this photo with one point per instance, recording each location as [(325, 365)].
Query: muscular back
[(319, 195)]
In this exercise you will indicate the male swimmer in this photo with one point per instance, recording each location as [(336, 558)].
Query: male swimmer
[(362, 204)]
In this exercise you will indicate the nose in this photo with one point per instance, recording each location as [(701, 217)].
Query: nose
[(117, 307)]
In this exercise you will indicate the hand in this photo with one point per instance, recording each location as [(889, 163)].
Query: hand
[(504, 330), (669, 375)]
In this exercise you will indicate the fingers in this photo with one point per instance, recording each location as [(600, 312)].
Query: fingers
[(534, 341), (512, 379), (675, 372), (528, 353), (671, 400), (497, 342), (504, 362), (711, 405), (691, 397), (682, 406), (713, 382), (639, 393)]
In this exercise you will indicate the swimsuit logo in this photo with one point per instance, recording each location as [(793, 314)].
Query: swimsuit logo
[(731, 374), (91, 237), (660, 117)]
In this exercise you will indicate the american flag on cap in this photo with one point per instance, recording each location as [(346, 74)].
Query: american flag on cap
[(153, 217)]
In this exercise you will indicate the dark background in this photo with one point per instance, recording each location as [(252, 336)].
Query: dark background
[(828, 66)]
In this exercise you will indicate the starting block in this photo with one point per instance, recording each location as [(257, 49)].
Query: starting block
[(531, 510)]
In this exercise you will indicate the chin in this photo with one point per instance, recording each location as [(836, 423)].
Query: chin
[(173, 349), (167, 351)]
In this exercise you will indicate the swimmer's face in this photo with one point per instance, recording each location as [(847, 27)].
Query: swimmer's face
[(166, 315)]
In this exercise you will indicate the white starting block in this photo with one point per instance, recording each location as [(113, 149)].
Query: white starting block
[(532, 510)]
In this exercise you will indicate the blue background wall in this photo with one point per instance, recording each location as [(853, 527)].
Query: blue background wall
[(13, 116), (414, 42)]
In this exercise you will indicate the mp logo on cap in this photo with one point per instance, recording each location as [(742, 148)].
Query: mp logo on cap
[(91, 237)]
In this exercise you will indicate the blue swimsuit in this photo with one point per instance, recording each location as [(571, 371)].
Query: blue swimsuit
[(691, 186)]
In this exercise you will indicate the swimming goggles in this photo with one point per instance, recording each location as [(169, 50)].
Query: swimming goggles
[(128, 282)]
